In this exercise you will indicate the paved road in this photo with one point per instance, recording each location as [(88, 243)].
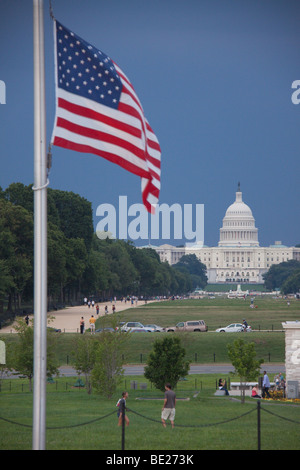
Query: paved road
[(194, 369), (138, 369)]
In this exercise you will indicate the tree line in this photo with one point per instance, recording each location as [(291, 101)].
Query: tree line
[(284, 277), (79, 263)]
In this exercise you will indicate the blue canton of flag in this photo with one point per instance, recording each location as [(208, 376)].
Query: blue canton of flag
[(98, 111), (86, 71)]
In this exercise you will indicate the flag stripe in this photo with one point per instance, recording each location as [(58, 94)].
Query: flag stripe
[(102, 136), (79, 110), (111, 156), (69, 114), (122, 155), (79, 124)]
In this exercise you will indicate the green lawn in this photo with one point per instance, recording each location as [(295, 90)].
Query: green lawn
[(268, 315), (203, 422), (78, 416), (209, 347)]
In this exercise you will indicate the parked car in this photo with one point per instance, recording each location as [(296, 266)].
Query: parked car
[(193, 325), (140, 330), (99, 330), (55, 330), (233, 328), (134, 325), (154, 328)]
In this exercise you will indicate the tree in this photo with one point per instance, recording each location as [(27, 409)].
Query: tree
[(85, 350), (121, 265), (23, 352), (73, 214), (166, 363), (279, 273), (76, 262), (292, 284), (147, 266), (16, 248), (96, 274), (197, 270), (6, 282), (20, 195), (243, 359), (57, 259), (108, 369)]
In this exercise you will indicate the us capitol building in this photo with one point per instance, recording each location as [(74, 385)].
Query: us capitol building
[(238, 256)]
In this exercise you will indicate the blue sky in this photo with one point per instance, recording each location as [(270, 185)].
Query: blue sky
[(214, 78)]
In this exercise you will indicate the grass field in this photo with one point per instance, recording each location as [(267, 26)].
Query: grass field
[(209, 347), (268, 314), (266, 321), (81, 422), (76, 420)]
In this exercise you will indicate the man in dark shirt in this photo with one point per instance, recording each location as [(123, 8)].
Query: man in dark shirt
[(168, 409)]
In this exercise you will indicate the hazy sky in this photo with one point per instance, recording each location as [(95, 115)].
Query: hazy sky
[(215, 81)]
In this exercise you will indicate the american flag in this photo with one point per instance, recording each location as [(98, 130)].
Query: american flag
[(98, 112)]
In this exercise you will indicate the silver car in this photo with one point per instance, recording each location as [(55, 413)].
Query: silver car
[(134, 325), (154, 328), (233, 328)]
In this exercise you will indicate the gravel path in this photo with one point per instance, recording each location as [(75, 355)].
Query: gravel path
[(68, 318)]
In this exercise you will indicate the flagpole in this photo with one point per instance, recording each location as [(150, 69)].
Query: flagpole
[(40, 232)]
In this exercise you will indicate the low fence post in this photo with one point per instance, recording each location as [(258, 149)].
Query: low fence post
[(258, 425)]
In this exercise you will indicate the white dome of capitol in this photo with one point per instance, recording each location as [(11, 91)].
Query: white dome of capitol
[(238, 225), (238, 209)]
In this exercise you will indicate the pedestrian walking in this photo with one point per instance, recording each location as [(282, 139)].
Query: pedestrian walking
[(121, 404), (168, 409), (266, 386)]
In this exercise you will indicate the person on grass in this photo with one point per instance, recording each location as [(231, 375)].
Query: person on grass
[(168, 409)]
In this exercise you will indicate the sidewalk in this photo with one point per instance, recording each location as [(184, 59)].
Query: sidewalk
[(67, 319)]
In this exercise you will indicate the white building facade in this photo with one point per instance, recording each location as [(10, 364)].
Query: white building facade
[(238, 258)]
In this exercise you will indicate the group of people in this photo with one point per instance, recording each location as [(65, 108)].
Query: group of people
[(279, 384), (167, 412), (92, 322), (91, 303), (169, 405), (279, 381), (266, 385)]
